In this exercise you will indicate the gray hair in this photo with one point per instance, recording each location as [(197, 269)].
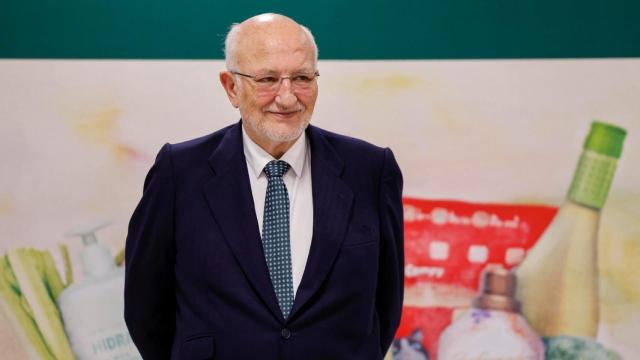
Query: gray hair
[(231, 41)]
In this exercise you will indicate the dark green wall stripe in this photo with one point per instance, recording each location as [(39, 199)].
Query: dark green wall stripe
[(428, 29)]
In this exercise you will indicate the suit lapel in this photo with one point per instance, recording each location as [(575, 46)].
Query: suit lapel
[(332, 201), (229, 197)]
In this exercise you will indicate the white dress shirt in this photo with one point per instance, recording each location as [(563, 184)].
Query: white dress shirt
[(298, 182)]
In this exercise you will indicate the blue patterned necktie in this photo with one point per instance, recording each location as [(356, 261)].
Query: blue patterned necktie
[(275, 235)]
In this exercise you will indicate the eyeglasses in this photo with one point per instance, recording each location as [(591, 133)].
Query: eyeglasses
[(271, 83)]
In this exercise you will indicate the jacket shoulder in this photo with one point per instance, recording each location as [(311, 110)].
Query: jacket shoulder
[(353, 151), (345, 142), (205, 142), (189, 152)]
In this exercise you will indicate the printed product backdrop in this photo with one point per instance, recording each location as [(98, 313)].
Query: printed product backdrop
[(488, 150)]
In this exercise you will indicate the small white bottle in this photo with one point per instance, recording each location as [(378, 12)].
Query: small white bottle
[(493, 328), (93, 309)]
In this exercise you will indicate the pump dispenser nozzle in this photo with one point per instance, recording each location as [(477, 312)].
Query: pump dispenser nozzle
[(96, 258)]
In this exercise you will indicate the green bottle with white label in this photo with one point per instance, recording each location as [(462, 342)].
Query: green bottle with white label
[(558, 279)]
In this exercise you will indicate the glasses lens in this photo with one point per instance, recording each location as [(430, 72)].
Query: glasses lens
[(266, 82), (302, 81), (271, 83)]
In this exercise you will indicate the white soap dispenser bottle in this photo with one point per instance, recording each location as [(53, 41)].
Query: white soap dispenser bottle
[(93, 309)]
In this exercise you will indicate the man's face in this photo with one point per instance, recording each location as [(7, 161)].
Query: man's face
[(278, 115)]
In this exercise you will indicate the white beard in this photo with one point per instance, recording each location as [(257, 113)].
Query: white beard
[(275, 135)]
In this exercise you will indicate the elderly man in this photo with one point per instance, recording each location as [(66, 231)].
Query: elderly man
[(270, 238)]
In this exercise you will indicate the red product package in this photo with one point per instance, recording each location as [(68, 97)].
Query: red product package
[(447, 245)]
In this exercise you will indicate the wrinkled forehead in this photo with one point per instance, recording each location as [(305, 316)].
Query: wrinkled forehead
[(285, 48)]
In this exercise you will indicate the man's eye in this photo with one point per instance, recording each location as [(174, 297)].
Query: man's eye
[(302, 78), (267, 80)]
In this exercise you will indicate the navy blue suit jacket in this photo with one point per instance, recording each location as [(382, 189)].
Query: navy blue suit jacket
[(197, 284)]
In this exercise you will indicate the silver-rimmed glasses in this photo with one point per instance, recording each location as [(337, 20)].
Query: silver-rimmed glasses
[(269, 83)]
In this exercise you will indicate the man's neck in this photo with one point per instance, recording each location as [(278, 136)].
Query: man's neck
[(277, 149)]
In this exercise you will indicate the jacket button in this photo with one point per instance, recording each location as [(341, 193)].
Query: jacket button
[(286, 333)]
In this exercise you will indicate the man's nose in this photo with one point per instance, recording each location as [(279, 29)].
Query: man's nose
[(285, 96)]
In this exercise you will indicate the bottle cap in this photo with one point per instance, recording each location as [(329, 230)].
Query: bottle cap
[(605, 139), (497, 290)]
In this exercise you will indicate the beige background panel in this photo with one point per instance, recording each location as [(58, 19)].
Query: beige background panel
[(79, 136)]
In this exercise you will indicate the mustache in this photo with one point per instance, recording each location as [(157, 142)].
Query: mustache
[(275, 109)]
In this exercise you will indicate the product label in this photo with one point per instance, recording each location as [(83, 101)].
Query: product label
[(109, 343), (447, 245), (592, 180)]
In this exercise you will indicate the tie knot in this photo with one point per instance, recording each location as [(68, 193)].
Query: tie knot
[(276, 168)]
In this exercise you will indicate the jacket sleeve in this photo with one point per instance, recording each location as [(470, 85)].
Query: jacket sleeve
[(391, 270), (149, 294)]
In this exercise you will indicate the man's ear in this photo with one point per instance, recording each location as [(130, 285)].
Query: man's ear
[(228, 82)]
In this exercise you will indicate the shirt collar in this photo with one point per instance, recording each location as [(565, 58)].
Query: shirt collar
[(257, 157)]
